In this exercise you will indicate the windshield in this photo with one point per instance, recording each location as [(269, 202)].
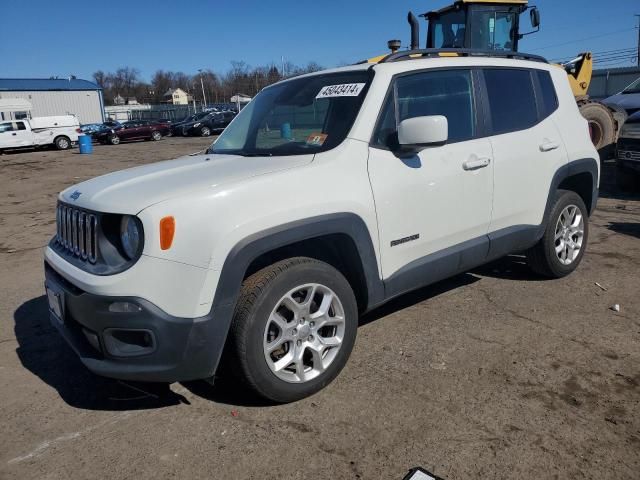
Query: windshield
[(194, 117), (492, 28), (633, 88), (300, 116)]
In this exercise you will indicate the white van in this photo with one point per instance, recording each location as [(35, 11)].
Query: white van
[(61, 131)]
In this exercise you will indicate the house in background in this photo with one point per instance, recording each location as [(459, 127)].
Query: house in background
[(177, 96), (120, 100)]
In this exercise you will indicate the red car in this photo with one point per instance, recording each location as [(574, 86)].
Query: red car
[(133, 130)]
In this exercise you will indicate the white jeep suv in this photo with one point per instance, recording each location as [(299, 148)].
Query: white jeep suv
[(328, 195)]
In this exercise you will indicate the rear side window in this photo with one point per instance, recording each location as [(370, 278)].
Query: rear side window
[(21, 126), (444, 92), (512, 101), (548, 96)]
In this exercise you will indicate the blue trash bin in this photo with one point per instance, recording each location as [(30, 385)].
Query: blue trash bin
[(85, 144), (285, 131)]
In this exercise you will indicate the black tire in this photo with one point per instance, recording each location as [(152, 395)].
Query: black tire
[(205, 131), (602, 126), (114, 140), (62, 143), (542, 257), (156, 135), (260, 294), (627, 180)]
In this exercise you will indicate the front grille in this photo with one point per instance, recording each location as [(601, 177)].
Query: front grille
[(77, 232), (629, 155)]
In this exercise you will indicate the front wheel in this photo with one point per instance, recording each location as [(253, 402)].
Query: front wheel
[(205, 131), (561, 248), (62, 143), (114, 140), (156, 135), (293, 329)]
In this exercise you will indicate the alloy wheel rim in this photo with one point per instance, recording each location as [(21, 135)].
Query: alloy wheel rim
[(569, 234), (206, 132), (304, 333), (63, 143)]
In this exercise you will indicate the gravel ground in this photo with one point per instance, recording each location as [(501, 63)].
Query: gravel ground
[(492, 374)]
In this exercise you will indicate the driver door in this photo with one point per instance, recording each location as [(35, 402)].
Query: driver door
[(434, 207)]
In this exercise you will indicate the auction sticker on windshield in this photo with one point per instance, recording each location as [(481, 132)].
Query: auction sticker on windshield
[(316, 139), (342, 90)]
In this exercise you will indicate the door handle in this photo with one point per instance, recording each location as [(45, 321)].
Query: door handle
[(548, 146), (14, 134), (476, 163)]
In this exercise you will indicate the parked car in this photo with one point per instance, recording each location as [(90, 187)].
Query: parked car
[(176, 127), (355, 186), (628, 154), (212, 122), (91, 128), (627, 100), (60, 131), (132, 130)]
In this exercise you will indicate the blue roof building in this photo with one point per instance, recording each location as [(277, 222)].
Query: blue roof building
[(54, 96)]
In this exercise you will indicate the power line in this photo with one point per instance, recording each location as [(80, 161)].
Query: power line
[(584, 39)]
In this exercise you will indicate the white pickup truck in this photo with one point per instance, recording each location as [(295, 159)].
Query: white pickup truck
[(61, 131)]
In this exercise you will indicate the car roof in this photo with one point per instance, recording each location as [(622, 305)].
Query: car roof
[(440, 59)]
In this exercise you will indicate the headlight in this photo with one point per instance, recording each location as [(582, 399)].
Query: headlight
[(130, 236), (630, 130), (196, 125)]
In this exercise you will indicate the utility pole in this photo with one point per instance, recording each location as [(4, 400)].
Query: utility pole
[(638, 40), (204, 97)]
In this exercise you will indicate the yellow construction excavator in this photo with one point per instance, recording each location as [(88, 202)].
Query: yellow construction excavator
[(494, 25)]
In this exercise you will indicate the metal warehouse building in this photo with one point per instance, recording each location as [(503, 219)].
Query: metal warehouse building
[(54, 96)]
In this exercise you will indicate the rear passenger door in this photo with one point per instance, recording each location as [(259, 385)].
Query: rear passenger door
[(527, 148), (435, 201)]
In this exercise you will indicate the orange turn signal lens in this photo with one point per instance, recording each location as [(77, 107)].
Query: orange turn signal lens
[(167, 231)]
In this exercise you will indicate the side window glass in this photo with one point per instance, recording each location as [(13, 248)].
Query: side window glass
[(446, 92), (21, 126), (549, 98), (6, 127), (512, 100)]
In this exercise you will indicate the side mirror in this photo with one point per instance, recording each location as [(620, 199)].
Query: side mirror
[(535, 17), (415, 134)]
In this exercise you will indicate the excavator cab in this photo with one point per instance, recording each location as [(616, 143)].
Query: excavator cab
[(479, 25)]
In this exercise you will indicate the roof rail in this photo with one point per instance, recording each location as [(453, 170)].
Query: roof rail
[(459, 52)]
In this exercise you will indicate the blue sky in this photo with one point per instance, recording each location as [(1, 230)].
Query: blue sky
[(43, 37)]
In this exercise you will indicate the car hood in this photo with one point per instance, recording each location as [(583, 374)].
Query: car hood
[(628, 101), (132, 190)]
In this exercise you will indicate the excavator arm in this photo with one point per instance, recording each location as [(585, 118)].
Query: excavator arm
[(579, 71)]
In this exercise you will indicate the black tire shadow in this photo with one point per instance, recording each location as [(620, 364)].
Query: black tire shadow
[(417, 296), (627, 228), (44, 353), (511, 267)]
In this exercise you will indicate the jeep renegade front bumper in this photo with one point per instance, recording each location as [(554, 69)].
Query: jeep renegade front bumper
[(129, 338)]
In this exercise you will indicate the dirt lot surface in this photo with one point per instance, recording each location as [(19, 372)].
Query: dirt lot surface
[(493, 374)]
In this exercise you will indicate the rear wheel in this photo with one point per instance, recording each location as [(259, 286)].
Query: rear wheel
[(602, 126), (114, 140), (156, 135), (62, 143), (561, 248), (293, 329)]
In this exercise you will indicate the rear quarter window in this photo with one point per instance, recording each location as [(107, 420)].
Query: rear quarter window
[(548, 97), (512, 100)]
